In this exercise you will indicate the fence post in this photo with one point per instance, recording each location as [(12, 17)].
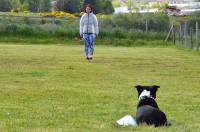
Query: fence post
[(146, 27), (4, 22), (185, 32), (197, 43), (179, 33), (191, 41), (170, 31), (53, 25), (42, 20), (174, 34)]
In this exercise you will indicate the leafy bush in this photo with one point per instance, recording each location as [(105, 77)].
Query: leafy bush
[(12, 28), (159, 22), (23, 30), (67, 33), (27, 20), (132, 34), (136, 21), (193, 19), (118, 33), (5, 5)]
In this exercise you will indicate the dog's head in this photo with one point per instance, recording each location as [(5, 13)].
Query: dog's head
[(148, 91)]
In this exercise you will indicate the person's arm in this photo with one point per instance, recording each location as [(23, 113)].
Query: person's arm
[(96, 27), (81, 26)]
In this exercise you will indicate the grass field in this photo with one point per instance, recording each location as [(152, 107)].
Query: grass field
[(53, 88)]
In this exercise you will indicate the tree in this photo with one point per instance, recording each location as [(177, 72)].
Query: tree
[(39, 5), (25, 6), (70, 6), (22, 1), (34, 5), (16, 5), (45, 5), (132, 5), (5, 5), (107, 7), (92, 2), (59, 5), (100, 6)]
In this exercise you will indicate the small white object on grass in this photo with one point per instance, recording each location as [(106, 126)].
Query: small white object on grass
[(127, 120)]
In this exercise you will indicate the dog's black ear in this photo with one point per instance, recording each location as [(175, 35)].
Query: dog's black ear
[(154, 90), (139, 88), (156, 86)]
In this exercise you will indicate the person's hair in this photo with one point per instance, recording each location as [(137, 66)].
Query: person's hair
[(88, 5)]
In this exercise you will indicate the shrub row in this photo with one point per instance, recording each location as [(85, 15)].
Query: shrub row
[(133, 21), (46, 30)]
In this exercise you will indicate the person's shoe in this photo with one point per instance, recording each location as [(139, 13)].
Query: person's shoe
[(87, 58), (90, 57)]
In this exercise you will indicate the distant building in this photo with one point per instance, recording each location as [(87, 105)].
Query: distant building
[(166, 1), (179, 1), (175, 7)]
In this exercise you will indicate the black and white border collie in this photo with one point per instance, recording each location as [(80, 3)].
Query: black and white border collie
[(148, 111)]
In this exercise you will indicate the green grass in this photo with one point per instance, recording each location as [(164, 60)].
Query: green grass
[(53, 88)]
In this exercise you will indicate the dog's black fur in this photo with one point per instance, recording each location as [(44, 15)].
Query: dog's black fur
[(148, 111)]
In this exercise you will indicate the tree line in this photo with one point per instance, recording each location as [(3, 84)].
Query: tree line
[(71, 6)]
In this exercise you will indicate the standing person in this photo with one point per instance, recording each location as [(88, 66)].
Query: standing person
[(89, 30)]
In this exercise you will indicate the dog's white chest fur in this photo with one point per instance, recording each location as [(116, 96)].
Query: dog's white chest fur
[(144, 93)]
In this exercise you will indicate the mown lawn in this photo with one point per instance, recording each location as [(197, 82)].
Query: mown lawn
[(53, 88)]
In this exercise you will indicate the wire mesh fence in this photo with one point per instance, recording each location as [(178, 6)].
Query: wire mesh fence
[(185, 36)]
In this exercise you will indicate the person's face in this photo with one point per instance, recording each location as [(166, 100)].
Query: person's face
[(88, 9)]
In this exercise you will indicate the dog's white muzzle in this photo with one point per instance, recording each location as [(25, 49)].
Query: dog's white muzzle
[(144, 93)]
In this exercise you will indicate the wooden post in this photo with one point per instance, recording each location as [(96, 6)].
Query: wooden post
[(180, 33), (146, 27), (4, 22), (191, 41), (169, 33), (43, 20), (174, 35), (185, 32), (53, 25), (197, 43)]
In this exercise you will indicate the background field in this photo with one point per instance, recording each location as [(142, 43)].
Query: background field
[(53, 87)]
